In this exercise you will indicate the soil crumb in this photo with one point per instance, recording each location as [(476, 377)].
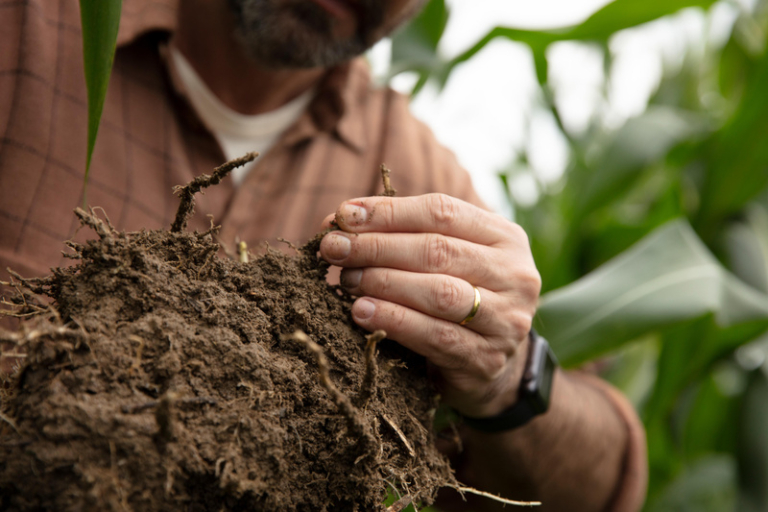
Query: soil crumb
[(163, 377)]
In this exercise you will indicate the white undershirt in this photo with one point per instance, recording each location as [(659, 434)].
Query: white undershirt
[(236, 133)]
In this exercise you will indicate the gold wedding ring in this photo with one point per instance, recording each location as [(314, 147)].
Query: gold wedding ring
[(475, 307)]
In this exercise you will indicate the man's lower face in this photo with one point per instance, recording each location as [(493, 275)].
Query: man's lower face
[(307, 33)]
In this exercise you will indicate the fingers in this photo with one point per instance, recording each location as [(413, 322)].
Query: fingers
[(414, 261), (328, 221), (413, 252), (438, 296), (447, 345), (431, 213)]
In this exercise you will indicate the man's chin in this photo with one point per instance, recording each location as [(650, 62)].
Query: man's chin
[(296, 35), (303, 50)]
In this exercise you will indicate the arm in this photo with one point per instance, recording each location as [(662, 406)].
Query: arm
[(586, 453), (414, 262)]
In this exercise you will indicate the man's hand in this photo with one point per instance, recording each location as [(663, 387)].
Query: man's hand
[(413, 263)]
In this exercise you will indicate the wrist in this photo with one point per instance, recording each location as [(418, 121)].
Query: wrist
[(506, 393), (533, 391)]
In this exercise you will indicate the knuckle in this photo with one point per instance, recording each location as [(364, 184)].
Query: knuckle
[(375, 250), (398, 320), (495, 364), (517, 234), (387, 210), (444, 209), (520, 325), (529, 283), (453, 348), (384, 283), (440, 251), (447, 296)]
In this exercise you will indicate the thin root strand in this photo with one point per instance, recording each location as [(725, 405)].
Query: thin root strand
[(471, 490), (343, 403), (188, 191), (368, 387), (400, 434), (388, 190), (103, 229), (400, 504)]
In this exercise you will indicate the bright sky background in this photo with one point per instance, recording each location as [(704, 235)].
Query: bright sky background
[(490, 107)]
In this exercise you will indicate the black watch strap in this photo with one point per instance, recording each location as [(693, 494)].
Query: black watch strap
[(534, 392)]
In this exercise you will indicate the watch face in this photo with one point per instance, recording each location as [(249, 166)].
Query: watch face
[(542, 373), (547, 377)]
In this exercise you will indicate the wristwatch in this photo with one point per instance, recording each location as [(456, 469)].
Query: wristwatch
[(534, 392)]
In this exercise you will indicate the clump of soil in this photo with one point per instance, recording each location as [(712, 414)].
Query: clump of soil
[(166, 378)]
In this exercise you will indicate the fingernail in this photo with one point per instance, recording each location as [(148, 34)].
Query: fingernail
[(350, 278), (353, 215), (337, 246), (363, 309)]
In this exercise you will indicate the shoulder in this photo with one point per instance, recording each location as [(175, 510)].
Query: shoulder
[(419, 162)]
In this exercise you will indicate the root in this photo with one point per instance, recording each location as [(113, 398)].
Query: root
[(400, 434), (288, 243), (103, 229), (399, 504), (388, 190), (212, 230), (76, 247), (106, 217), (355, 423), (405, 484), (188, 191), (471, 490), (21, 339), (36, 285), (16, 310), (9, 421), (368, 387)]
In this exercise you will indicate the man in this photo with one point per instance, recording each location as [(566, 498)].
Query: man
[(192, 84)]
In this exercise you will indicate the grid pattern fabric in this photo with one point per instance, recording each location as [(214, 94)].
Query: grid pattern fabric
[(151, 140)]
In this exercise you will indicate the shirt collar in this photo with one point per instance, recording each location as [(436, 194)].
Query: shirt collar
[(336, 109), (141, 16)]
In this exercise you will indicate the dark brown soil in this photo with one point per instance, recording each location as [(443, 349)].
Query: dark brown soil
[(166, 378)]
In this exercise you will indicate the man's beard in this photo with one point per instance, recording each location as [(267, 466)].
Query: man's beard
[(300, 34)]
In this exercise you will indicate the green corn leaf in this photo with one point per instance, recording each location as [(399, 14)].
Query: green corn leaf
[(737, 156), (640, 142), (622, 14), (689, 351), (746, 245), (100, 21), (414, 47), (618, 15), (709, 485), (668, 278)]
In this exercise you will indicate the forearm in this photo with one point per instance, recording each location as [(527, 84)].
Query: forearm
[(572, 458)]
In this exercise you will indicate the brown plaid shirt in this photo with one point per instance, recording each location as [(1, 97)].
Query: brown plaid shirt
[(150, 140)]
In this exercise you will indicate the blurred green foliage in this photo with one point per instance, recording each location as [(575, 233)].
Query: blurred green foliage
[(653, 246)]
